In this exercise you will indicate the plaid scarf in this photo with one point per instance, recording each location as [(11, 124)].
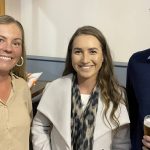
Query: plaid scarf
[(83, 121)]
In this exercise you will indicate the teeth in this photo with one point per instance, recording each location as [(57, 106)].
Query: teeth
[(5, 58), (85, 67)]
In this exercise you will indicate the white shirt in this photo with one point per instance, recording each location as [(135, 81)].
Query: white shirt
[(84, 100)]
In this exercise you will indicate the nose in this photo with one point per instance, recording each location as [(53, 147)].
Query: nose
[(85, 57), (8, 46)]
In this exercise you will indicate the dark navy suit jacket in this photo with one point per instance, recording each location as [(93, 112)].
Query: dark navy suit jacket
[(138, 92)]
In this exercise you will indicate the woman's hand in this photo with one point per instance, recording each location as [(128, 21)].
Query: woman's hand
[(146, 142)]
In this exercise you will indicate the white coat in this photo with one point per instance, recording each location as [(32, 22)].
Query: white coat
[(55, 108)]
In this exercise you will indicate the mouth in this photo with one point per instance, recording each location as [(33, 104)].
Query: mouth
[(86, 67), (5, 58)]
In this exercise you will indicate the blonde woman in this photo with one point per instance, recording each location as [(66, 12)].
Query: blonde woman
[(15, 96)]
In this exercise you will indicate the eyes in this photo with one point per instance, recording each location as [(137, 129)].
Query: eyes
[(91, 51), (1, 40), (16, 43)]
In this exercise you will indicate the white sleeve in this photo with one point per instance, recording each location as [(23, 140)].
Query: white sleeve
[(41, 128), (121, 139)]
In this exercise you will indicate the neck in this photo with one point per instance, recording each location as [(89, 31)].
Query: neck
[(86, 86), (4, 77)]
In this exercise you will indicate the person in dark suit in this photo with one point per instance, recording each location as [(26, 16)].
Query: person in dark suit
[(138, 92)]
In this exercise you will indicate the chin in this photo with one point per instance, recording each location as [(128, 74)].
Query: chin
[(86, 76)]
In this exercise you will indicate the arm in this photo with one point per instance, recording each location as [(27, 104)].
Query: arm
[(121, 138), (41, 129)]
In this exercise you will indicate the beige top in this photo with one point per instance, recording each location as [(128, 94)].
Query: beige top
[(15, 117)]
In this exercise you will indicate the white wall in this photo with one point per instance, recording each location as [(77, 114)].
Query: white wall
[(49, 24), (12, 7)]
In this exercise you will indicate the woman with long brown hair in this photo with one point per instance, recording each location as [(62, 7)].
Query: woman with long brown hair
[(85, 109)]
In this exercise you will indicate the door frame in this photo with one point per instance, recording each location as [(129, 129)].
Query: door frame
[(2, 7)]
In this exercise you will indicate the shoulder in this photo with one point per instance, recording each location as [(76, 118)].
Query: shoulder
[(64, 78), (18, 82), (140, 56), (60, 82), (56, 95), (58, 88), (21, 88)]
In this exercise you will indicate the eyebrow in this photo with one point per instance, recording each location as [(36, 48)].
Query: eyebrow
[(3, 36), (13, 39), (93, 48), (18, 39)]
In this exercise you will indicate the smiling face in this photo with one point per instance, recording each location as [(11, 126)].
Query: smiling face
[(87, 57), (10, 46)]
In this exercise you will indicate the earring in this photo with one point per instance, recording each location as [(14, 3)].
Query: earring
[(22, 61)]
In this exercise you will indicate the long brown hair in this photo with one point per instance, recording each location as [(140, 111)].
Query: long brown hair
[(110, 89), (19, 71)]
